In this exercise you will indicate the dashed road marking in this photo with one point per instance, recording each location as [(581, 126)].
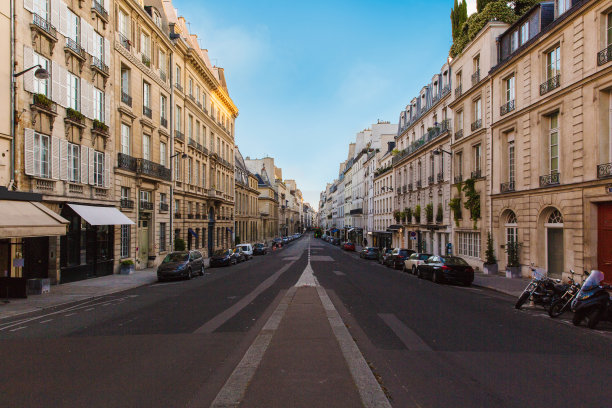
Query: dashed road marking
[(69, 314), (18, 328), (339, 273), (46, 321), (89, 310)]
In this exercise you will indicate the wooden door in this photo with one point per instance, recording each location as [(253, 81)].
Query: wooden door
[(604, 241)]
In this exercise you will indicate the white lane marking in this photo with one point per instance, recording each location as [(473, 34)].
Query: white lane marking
[(69, 314), (89, 310), (46, 321), (339, 273), (233, 390), (411, 340), (18, 328)]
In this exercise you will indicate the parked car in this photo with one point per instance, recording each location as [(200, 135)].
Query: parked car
[(369, 253), (414, 261), (260, 249), (247, 249), (223, 257), (285, 240), (277, 242), (446, 269), (336, 241), (181, 264), (398, 256), (348, 246), (384, 254), (240, 255)]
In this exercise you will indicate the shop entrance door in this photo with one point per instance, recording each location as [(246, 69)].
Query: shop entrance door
[(143, 242), (604, 241), (36, 255)]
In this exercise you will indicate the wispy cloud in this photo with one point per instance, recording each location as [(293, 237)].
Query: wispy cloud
[(364, 83)]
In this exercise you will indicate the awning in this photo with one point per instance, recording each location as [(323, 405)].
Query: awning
[(334, 230), (352, 229), (22, 219), (101, 215), (394, 227), (192, 232)]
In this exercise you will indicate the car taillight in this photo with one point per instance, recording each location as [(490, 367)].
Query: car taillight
[(470, 269), (446, 268)]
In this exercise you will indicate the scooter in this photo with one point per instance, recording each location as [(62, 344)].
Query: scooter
[(593, 301)]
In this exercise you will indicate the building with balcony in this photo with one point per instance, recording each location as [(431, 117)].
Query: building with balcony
[(471, 147), (422, 169), (382, 202), (248, 218), (552, 137)]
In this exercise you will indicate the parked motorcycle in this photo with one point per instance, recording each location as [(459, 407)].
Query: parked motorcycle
[(593, 301), (542, 290), (559, 306)]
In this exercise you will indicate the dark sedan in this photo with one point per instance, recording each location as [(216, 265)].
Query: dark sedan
[(240, 255), (181, 264), (223, 257), (451, 269), (398, 256), (260, 249), (384, 254), (369, 253)]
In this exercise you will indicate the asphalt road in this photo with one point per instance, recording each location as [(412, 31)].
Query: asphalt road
[(175, 344)]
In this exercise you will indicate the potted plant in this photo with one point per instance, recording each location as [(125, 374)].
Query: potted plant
[(179, 244), (397, 216), (439, 214), (127, 267), (429, 213), (490, 264), (417, 213), (513, 268), (408, 212), (403, 216)]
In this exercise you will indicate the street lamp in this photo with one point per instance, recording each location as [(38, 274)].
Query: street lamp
[(439, 151), (40, 73), (171, 234)]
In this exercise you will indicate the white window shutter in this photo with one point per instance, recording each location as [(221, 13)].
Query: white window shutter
[(28, 156), (107, 113), (56, 74), (63, 159), (86, 98), (107, 52), (28, 77), (90, 40), (55, 159), (91, 165), (83, 38), (63, 19), (84, 164), (107, 169), (63, 82), (28, 5), (55, 13)]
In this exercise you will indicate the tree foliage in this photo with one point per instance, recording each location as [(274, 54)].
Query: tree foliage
[(481, 4), (458, 17)]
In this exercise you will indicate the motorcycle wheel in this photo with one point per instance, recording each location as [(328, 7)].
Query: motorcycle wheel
[(521, 300), (557, 308), (578, 316), (594, 317)]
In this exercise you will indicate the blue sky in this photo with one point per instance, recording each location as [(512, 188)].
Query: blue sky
[(307, 76)]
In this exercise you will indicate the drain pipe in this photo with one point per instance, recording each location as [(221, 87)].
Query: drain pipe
[(13, 95)]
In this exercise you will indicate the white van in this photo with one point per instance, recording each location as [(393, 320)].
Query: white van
[(247, 249)]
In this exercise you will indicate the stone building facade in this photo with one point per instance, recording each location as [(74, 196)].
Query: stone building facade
[(248, 221)]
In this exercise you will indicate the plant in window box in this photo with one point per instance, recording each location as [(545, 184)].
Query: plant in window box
[(42, 100), (472, 200), (490, 264), (439, 213), (408, 212), (513, 268), (403, 216), (417, 213), (179, 244), (74, 115), (397, 216), (429, 213), (127, 267), (100, 126)]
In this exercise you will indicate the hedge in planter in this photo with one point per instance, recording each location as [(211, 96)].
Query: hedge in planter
[(417, 213), (429, 213)]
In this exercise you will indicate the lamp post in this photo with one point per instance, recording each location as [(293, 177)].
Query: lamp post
[(171, 234)]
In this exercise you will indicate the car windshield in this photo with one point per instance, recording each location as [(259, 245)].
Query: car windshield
[(221, 252), (372, 249), (258, 245), (404, 252), (423, 257), (243, 247), (176, 257), (454, 260)]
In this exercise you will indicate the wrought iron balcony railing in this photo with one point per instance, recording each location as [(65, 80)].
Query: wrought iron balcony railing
[(550, 84), (75, 48), (147, 112), (145, 205), (506, 187), (419, 184), (440, 177), (98, 8), (476, 125), (551, 179), (604, 170), (125, 203), (508, 107), (163, 207), (162, 75), (178, 86), (125, 42), (458, 178), (179, 135), (44, 25), (98, 64), (409, 186), (604, 56), (459, 134), (476, 77), (476, 174), (146, 60), (430, 179), (143, 166), (164, 122), (458, 91), (126, 98)]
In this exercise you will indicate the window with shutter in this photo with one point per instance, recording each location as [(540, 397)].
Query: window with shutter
[(28, 77), (55, 155), (41, 155), (107, 168), (55, 15), (92, 178), (73, 171), (71, 93), (29, 151), (40, 86), (84, 164)]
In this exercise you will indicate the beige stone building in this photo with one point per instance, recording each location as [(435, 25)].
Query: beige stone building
[(471, 146), (248, 219), (551, 138), (421, 166), (5, 94), (382, 202)]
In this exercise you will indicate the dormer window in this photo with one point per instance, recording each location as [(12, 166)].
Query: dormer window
[(524, 32), (157, 18), (562, 6), (514, 39)]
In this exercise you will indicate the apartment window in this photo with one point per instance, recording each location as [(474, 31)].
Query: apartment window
[(163, 153), (562, 6), (162, 61), (477, 153), (553, 143), (73, 91), (177, 168), (74, 164), (190, 126), (514, 41), (157, 19), (524, 32), (196, 176), (178, 75), (98, 47), (511, 168), (41, 7), (197, 126), (189, 167), (162, 236), (553, 63), (203, 175), (125, 81), (146, 147), (163, 102), (190, 86), (459, 123), (145, 46), (98, 169), (125, 139), (125, 193), (98, 104), (177, 119), (477, 109), (125, 241), (124, 24), (511, 228), (197, 94), (459, 158), (509, 88), (74, 27), (41, 155), (41, 86), (609, 32), (146, 95), (468, 244)]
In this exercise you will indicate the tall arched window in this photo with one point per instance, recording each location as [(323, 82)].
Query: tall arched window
[(511, 227)]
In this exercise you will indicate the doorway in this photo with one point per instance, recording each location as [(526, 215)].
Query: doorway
[(36, 255), (604, 240), (554, 244), (211, 227), (143, 242)]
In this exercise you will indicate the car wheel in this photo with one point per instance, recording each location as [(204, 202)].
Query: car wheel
[(414, 271), (419, 274), (435, 277), (189, 274), (202, 270)]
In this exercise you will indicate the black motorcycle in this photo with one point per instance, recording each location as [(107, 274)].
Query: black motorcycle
[(593, 301), (559, 306), (542, 290)]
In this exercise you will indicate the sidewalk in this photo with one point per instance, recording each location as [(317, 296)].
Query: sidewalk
[(509, 286), (77, 291)]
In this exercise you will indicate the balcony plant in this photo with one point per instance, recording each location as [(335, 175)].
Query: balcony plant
[(403, 216), (417, 213), (429, 213), (408, 212), (43, 100), (100, 126), (439, 213), (490, 264), (397, 216), (74, 115), (127, 267), (179, 244), (472, 203), (513, 268)]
